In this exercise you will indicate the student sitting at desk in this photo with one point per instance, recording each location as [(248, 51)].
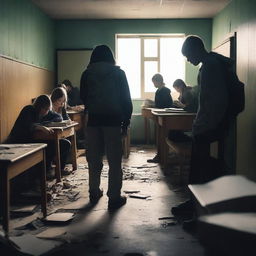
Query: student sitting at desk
[(74, 101), (188, 98), (57, 114), (29, 121), (163, 99)]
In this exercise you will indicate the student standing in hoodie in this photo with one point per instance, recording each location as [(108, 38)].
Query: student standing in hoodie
[(105, 93), (210, 123)]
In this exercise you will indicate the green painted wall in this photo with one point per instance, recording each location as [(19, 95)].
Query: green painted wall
[(87, 34), (238, 12), (27, 34)]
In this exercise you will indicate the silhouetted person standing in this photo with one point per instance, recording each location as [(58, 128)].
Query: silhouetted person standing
[(210, 123), (105, 93)]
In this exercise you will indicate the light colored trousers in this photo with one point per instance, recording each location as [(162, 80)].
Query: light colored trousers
[(105, 140)]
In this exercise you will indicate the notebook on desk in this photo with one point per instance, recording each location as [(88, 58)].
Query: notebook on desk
[(175, 110)]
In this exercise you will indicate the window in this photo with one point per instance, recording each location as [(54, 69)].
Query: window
[(142, 56)]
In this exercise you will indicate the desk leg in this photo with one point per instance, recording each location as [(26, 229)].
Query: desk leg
[(146, 130), (165, 149), (73, 151), (58, 167), (5, 198), (159, 139), (43, 186)]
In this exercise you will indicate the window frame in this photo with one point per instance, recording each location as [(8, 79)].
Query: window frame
[(143, 59)]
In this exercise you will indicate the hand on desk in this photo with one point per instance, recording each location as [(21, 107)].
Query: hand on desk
[(178, 104), (46, 130)]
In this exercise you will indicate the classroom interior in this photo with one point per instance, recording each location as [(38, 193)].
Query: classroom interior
[(32, 36)]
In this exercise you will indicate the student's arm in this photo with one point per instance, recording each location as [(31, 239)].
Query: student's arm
[(52, 117), (125, 97), (83, 88), (44, 129), (65, 115)]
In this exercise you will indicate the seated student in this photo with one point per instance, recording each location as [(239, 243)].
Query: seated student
[(73, 94), (29, 121), (188, 98), (57, 114), (163, 99)]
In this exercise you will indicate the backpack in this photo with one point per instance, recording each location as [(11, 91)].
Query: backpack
[(235, 87)]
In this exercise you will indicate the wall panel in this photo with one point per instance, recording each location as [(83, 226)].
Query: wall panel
[(19, 83)]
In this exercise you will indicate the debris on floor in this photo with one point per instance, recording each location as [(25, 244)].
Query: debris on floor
[(131, 191), (167, 218), (39, 246), (59, 217), (140, 196)]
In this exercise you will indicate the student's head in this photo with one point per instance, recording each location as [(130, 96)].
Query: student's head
[(193, 49), (179, 85), (42, 104), (67, 85), (158, 80), (102, 53), (59, 97)]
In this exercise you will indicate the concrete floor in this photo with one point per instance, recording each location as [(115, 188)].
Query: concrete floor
[(132, 230)]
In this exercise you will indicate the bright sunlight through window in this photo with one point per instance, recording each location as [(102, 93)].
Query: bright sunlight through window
[(142, 56)]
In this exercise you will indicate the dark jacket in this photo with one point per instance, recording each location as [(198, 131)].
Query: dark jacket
[(24, 125), (213, 94), (163, 98), (105, 93)]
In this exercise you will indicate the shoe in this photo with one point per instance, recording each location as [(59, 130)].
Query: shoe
[(66, 171), (95, 196), (117, 203), (190, 225), (186, 208), (154, 160)]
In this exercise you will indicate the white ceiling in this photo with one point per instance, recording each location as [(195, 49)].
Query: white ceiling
[(130, 9)]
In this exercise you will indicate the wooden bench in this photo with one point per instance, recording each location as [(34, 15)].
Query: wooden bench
[(183, 151)]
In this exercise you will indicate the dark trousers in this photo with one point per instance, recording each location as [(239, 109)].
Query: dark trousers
[(203, 167), (105, 140)]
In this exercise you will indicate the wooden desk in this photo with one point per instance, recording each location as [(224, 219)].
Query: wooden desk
[(170, 121), (79, 117), (61, 133), (14, 160), (147, 114)]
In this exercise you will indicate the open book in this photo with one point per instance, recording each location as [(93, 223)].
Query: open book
[(175, 110)]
